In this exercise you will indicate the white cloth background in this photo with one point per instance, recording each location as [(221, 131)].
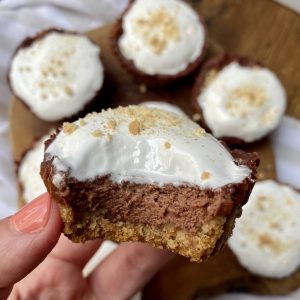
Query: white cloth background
[(21, 18)]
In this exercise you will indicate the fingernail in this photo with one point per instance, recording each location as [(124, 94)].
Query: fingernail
[(33, 217)]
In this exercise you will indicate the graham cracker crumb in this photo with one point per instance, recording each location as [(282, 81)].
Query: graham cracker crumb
[(69, 128), (97, 133), (68, 90), (264, 240), (167, 145), (112, 124), (134, 127), (205, 175), (143, 88), (199, 132), (82, 122), (244, 99), (196, 117), (109, 137), (158, 21)]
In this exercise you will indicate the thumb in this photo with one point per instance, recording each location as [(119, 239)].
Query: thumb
[(26, 238)]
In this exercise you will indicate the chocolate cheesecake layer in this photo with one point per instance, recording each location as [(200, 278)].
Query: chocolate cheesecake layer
[(185, 207)]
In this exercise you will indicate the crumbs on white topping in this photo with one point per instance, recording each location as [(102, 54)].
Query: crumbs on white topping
[(261, 202), (205, 175), (68, 90), (268, 117), (167, 145), (82, 122), (244, 99), (69, 128), (266, 241), (161, 21), (97, 133), (199, 132), (134, 127), (111, 124)]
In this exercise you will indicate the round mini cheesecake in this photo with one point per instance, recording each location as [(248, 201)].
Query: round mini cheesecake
[(29, 178), (159, 41), (266, 238), (56, 74), (238, 99)]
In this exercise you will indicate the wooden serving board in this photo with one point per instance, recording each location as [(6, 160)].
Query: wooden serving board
[(226, 31)]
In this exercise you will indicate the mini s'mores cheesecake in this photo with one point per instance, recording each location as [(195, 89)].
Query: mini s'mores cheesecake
[(159, 41), (143, 174), (29, 178), (266, 238), (56, 74), (238, 99)]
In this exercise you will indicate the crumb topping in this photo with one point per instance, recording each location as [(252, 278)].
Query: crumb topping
[(265, 240), (199, 132), (69, 128), (82, 122), (205, 175), (244, 99), (158, 29), (112, 124), (134, 127), (68, 90), (167, 145), (97, 133)]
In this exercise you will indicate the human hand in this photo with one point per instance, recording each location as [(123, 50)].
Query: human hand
[(27, 238)]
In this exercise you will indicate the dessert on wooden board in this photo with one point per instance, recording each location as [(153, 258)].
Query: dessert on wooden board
[(159, 41), (238, 99), (143, 174), (96, 36), (56, 73)]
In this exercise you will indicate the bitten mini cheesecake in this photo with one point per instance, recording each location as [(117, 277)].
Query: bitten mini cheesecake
[(159, 41), (29, 178), (238, 99), (143, 174), (56, 73)]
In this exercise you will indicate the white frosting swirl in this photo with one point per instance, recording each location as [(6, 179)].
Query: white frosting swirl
[(242, 102), (143, 145), (29, 171), (266, 238), (57, 75), (162, 36)]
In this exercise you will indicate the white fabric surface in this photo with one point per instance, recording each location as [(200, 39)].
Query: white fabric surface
[(20, 18)]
